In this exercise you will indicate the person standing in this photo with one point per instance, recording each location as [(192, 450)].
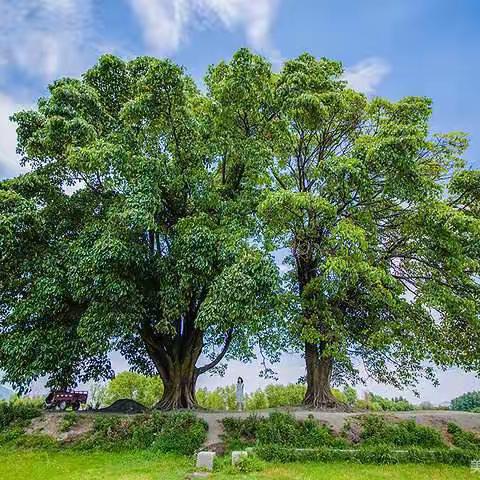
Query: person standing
[(240, 394)]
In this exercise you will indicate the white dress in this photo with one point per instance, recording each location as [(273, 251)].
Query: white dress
[(240, 392)]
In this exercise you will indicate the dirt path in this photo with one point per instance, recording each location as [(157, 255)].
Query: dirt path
[(435, 418)]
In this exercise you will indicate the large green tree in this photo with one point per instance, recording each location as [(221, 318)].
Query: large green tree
[(134, 231), (379, 216)]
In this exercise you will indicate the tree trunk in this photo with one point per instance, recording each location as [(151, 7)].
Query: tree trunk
[(178, 392), (319, 374)]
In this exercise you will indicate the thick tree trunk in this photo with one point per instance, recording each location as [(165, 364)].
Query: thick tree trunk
[(178, 392), (175, 359), (319, 374)]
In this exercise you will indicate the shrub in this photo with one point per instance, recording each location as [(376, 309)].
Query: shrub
[(380, 454), (68, 421), (463, 439), (249, 464), (181, 433), (18, 412), (279, 428), (377, 431), (35, 441)]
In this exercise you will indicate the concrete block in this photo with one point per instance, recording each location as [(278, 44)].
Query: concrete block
[(237, 456), (250, 451), (205, 460)]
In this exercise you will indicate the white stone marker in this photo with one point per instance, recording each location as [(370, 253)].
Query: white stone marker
[(237, 456), (205, 460)]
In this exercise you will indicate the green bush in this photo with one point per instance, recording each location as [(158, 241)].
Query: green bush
[(463, 439), (380, 454), (68, 421), (181, 433), (249, 464), (279, 428), (35, 441), (18, 412), (377, 431), (284, 429)]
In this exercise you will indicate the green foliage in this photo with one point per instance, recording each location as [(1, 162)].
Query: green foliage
[(377, 403), (249, 464), (154, 249), (258, 400), (466, 402), (290, 395), (181, 433), (279, 429), (222, 398), (18, 412), (36, 441), (376, 455), (462, 438), (69, 420), (380, 217), (143, 389), (378, 431)]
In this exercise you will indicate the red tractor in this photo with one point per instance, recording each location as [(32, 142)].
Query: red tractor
[(62, 399)]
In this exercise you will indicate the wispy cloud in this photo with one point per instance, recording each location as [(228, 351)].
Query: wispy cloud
[(166, 23), (367, 75), (42, 37), (9, 160)]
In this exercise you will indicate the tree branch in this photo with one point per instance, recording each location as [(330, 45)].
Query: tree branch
[(214, 363)]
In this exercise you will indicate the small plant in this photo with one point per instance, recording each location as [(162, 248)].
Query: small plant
[(249, 464), (69, 420)]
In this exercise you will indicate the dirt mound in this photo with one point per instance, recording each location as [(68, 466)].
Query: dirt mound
[(124, 405)]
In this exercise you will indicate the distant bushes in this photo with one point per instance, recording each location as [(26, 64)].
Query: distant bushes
[(468, 402), (291, 395)]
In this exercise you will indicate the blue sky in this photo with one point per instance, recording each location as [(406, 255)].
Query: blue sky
[(390, 48)]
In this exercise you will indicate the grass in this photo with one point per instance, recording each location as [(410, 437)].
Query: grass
[(41, 465)]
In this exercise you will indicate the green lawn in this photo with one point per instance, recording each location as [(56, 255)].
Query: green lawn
[(36, 465)]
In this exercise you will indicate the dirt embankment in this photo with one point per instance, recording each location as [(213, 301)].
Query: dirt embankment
[(51, 423)]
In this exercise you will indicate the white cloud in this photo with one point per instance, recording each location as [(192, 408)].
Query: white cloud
[(166, 23), (9, 160), (366, 75), (42, 37)]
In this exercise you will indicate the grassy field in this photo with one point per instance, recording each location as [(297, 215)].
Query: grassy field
[(36, 465)]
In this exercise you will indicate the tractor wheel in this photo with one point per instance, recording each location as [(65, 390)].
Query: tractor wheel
[(76, 406), (63, 406)]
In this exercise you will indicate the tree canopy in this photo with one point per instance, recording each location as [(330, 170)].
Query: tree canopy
[(380, 218), (152, 206), (134, 231)]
